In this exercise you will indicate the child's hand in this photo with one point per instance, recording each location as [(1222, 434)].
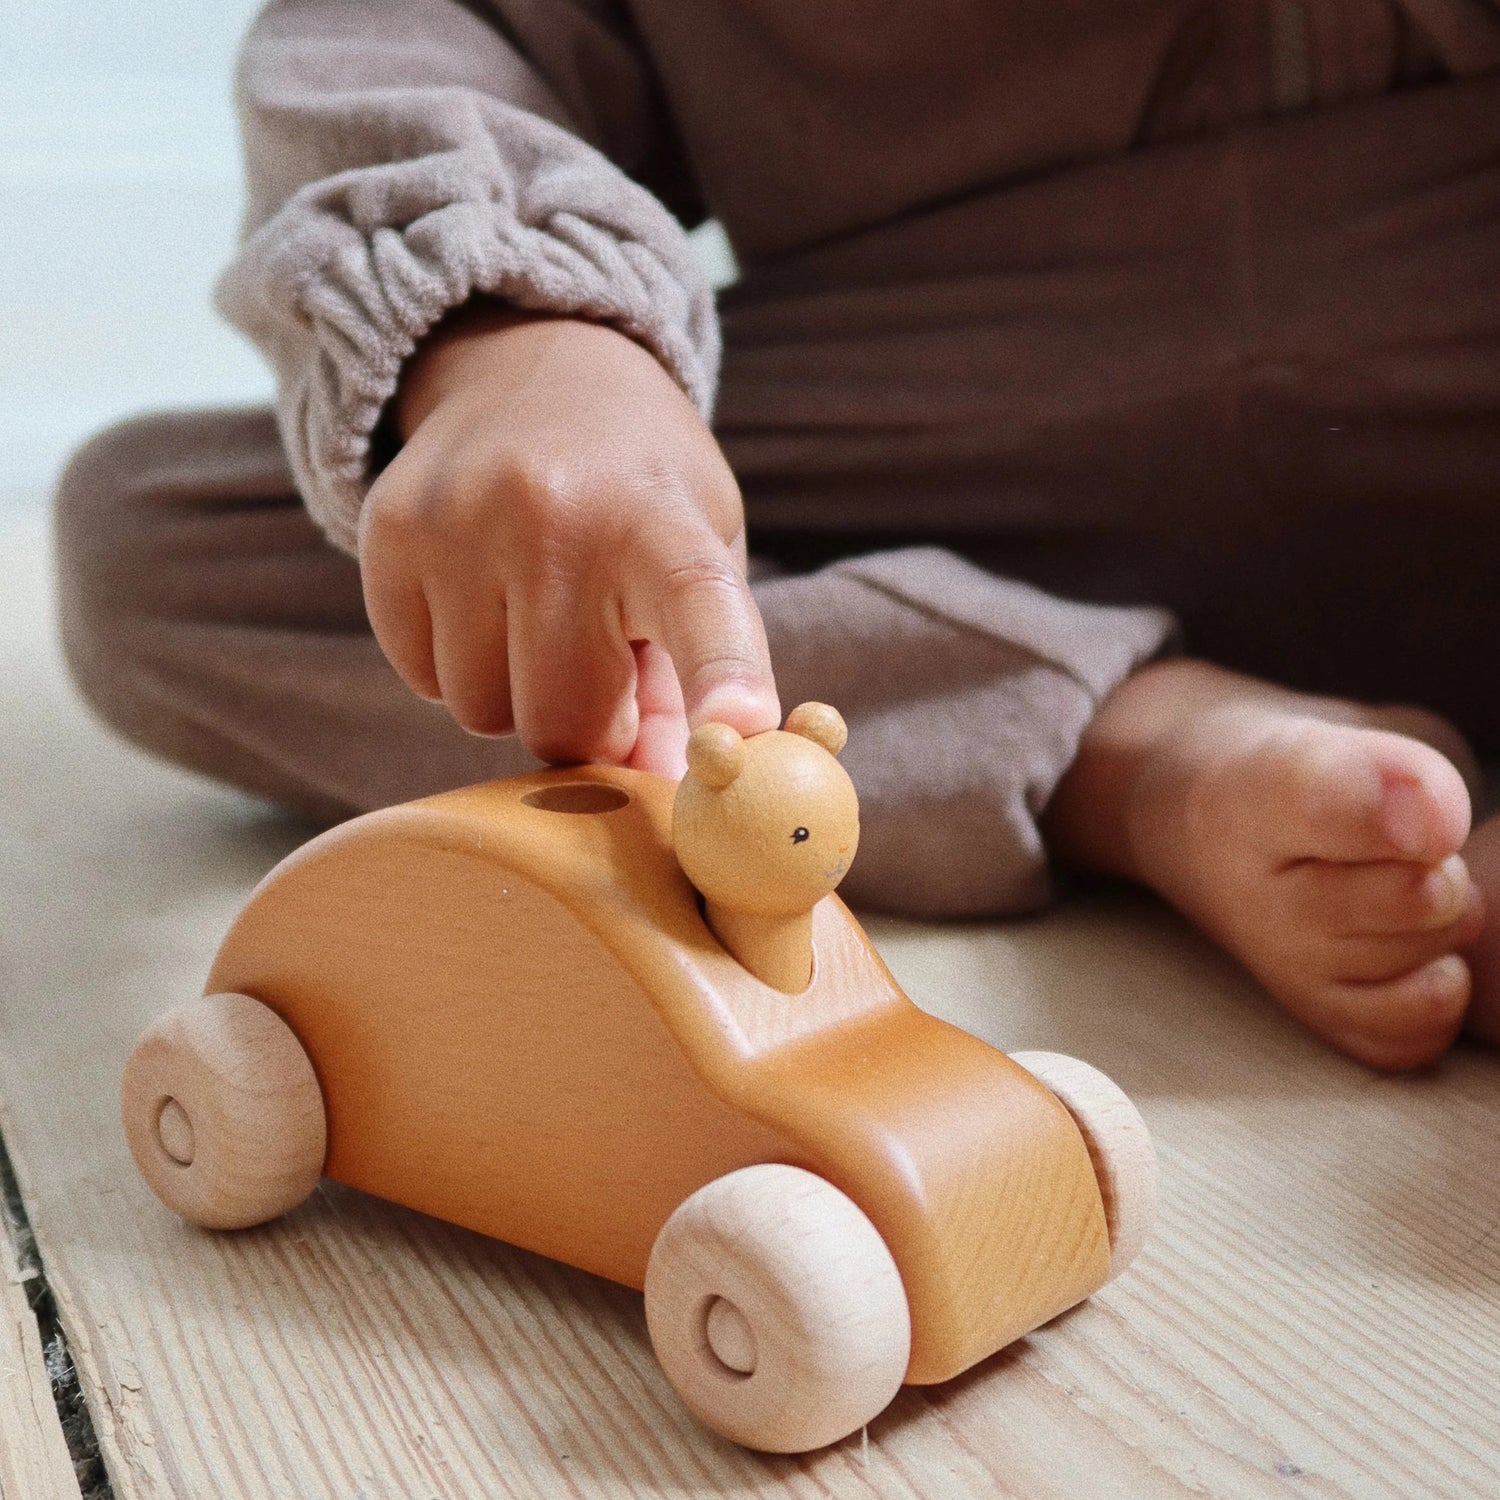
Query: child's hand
[(557, 502)]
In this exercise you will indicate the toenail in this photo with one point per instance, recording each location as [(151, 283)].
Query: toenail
[(1408, 821), (1447, 889)]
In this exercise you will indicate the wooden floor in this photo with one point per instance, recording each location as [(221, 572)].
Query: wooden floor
[(1319, 1314), (33, 1455)]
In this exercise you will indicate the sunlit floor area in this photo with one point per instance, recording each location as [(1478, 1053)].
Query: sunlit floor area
[(1318, 1313)]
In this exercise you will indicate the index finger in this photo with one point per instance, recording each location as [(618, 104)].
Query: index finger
[(699, 607)]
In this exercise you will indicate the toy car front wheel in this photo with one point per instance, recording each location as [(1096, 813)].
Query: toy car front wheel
[(776, 1310), (223, 1113), (1119, 1146)]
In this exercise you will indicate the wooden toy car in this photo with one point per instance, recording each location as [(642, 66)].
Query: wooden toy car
[(510, 1007)]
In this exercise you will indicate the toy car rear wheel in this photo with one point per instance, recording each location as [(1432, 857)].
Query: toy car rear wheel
[(223, 1113), (776, 1310), (1119, 1146)]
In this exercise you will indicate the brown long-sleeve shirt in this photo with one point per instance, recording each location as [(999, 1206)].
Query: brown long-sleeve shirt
[(405, 155)]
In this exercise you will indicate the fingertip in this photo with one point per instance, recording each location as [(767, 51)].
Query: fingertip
[(661, 754), (482, 717), (611, 746), (744, 707), (565, 730), (416, 667), (705, 617)]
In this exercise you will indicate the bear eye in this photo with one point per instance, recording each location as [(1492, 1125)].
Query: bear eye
[(799, 835)]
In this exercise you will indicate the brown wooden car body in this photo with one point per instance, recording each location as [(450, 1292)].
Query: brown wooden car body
[(521, 1023)]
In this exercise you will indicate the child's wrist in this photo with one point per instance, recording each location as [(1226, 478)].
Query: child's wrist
[(448, 358)]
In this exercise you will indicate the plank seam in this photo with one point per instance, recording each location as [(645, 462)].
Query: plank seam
[(62, 1375)]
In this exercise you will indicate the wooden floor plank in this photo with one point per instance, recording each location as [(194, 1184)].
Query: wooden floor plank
[(1318, 1315), (34, 1461)]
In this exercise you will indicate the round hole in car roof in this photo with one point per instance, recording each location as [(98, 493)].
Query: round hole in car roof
[(577, 797)]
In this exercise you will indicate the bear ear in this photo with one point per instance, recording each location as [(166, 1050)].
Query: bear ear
[(820, 723), (715, 755)]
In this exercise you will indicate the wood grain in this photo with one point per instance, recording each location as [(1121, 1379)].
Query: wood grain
[(222, 1112), (1119, 1145), (34, 1462), (777, 1311), (1318, 1315), (519, 1023)]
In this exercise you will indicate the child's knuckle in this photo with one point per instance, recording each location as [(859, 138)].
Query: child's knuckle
[(710, 579), (540, 489)]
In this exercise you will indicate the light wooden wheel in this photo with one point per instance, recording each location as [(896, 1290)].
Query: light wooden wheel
[(776, 1310), (1119, 1146), (223, 1113)]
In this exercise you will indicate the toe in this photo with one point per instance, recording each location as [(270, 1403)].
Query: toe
[(1379, 896), (1425, 812), (1483, 855), (1334, 793), (1419, 724), (1399, 1023), (1373, 958)]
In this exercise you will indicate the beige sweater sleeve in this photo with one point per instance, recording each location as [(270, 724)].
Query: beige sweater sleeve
[(402, 157)]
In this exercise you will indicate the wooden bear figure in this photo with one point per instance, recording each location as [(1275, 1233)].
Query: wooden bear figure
[(765, 828)]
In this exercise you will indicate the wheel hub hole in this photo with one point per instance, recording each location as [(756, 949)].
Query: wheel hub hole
[(729, 1338), (175, 1131)]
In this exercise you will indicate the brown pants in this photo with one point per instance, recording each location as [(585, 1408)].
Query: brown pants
[(206, 618), (1255, 379)]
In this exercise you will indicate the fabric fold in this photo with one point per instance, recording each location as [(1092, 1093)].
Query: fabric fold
[(414, 198)]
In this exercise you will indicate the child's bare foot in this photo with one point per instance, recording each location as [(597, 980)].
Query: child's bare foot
[(1314, 839)]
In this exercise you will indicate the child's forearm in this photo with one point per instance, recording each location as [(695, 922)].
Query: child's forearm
[(404, 158)]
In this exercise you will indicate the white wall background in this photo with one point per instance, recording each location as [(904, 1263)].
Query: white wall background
[(120, 197), (119, 200)]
